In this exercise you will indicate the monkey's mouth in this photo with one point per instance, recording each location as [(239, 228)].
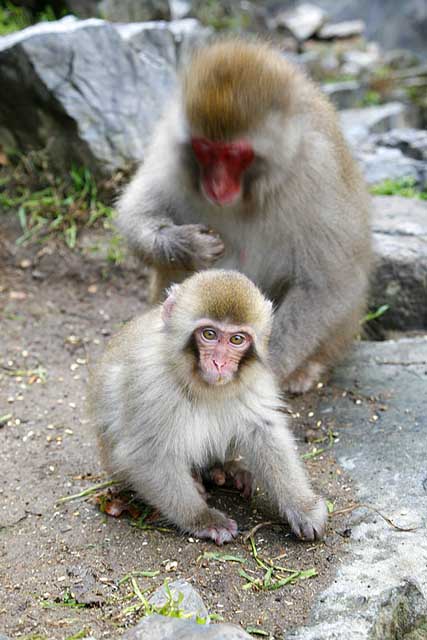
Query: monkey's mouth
[(215, 379)]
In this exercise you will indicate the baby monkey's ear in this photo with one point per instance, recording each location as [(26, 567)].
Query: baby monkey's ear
[(169, 304)]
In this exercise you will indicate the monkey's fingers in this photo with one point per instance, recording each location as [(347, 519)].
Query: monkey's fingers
[(243, 482), (218, 533), (309, 525)]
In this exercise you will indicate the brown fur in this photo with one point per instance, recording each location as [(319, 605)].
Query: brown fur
[(219, 87)]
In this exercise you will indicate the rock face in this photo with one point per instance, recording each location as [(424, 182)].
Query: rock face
[(392, 23), (357, 124), (302, 21), (400, 278), (381, 163), (412, 142), (346, 29), (95, 95), (380, 590)]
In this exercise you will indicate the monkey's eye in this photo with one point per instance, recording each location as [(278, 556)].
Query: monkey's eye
[(237, 339), (209, 334)]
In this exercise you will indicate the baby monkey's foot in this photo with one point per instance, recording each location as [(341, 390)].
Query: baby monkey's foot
[(308, 524), (217, 526), (304, 378), (234, 473)]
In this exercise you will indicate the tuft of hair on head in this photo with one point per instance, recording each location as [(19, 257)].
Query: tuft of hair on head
[(223, 296), (230, 85)]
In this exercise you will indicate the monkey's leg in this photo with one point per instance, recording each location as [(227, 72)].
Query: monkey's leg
[(330, 351), (312, 327), (177, 497), (271, 455)]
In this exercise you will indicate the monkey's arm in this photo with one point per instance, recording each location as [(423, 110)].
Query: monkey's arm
[(147, 212), (271, 455), (314, 310), (177, 498)]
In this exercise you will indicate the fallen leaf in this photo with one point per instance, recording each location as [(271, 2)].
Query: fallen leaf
[(17, 295)]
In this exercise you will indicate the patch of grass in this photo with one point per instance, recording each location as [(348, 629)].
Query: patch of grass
[(171, 608), (53, 207), (14, 18), (371, 99), (66, 600), (222, 18), (374, 315), (274, 576), (405, 187)]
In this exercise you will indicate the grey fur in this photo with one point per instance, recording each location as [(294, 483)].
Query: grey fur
[(159, 427)]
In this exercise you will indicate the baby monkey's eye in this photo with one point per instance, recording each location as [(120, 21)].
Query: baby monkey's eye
[(237, 339), (209, 334)]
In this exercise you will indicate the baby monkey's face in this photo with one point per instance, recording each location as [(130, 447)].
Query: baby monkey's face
[(221, 348)]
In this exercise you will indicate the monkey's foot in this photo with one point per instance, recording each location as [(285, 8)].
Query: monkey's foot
[(220, 529), (309, 524), (234, 473), (304, 378)]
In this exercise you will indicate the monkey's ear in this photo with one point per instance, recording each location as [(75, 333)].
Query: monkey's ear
[(169, 303)]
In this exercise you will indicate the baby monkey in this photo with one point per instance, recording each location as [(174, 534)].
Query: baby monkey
[(187, 387)]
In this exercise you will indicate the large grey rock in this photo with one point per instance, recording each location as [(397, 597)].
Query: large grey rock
[(346, 29), (134, 10), (346, 94), (303, 21), (412, 142), (382, 163), (191, 603), (392, 23), (355, 62), (400, 278), (173, 41), (163, 628), (380, 591), (357, 124), (79, 88)]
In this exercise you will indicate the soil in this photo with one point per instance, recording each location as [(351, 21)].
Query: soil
[(61, 564)]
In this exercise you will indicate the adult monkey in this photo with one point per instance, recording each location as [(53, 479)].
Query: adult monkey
[(249, 170)]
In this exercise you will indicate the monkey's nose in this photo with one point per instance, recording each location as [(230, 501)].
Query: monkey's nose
[(219, 365)]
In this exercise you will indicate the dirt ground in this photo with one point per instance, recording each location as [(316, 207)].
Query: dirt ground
[(61, 565)]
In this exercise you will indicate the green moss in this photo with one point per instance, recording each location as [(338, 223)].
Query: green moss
[(404, 187)]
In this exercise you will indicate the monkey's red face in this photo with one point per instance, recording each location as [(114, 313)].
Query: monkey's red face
[(220, 352), (222, 165)]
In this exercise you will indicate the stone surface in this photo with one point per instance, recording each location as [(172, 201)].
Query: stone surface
[(382, 163), (392, 23), (380, 591), (412, 142), (192, 602), (357, 124), (346, 29), (355, 62), (171, 42), (302, 21), (80, 89), (344, 95), (400, 278), (163, 628)]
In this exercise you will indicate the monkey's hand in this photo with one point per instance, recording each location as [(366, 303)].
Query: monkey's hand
[(190, 246), (216, 526), (308, 524)]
